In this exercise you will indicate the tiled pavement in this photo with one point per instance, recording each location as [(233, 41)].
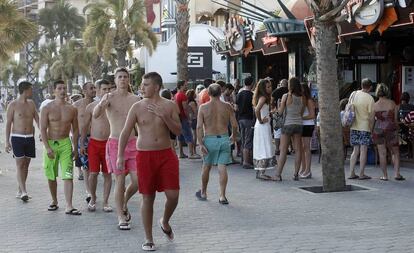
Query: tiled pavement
[(261, 217)]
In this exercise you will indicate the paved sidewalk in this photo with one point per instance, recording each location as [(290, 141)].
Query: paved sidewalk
[(261, 217)]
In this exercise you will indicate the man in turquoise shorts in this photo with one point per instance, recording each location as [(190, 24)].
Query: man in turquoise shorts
[(212, 134), (56, 121)]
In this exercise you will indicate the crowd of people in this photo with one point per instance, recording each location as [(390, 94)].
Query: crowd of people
[(112, 131)]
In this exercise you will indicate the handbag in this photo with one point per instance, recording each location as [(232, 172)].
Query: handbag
[(279, 119), (348, 117)]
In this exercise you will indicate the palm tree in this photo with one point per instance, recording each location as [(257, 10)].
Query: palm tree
[(112, 24), (70, 61), (325, 13), (13, 70), (62, 20), (182, 27), (15, 30), (45, 57)]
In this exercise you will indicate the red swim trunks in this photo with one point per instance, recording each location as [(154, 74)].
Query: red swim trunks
[(96, 156), (157, 171), (129, 156)]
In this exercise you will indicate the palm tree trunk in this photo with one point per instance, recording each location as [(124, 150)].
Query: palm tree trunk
[(182, 28), (70, 85), (15, 88), (332, 153), (121, 57)]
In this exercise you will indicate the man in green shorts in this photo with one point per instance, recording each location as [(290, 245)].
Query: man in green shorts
[(57, 119), (212, 134)]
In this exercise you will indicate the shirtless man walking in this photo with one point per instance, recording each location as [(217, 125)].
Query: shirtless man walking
[(82, 161), (116, 105), (95, 149), (56, 121), (157, 163), (212, 134), (20, 115)]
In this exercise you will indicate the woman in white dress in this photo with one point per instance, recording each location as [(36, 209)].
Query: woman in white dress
[(263, 150)]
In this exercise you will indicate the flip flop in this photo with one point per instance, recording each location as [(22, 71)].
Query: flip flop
[(383, 179), (52, 207), (24, 197), (148, 246), (168, 234), (73, 211), (400, 178), (353, 177), (91, 207), (200, 197), (223, 201), (88, 199), (107, 209), (124, 226), (364, 177)]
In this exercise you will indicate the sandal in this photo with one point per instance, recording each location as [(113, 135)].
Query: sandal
[(148, 246), (400, 178), (107, 209), (383, 178), (24, 197), (223, 201), (127, 215), (200, 197), (124, 226), (52, 207), (168, 234), (91, 207), (364, 177), (353, 177), (73, 211)]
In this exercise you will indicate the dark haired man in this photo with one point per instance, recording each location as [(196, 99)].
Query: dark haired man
[(156, 162), (20, 134), (98, 128), (116, 106), (361, 128), (57, 119), (203, 97), (186, 136), (89, 93), (212, 133)]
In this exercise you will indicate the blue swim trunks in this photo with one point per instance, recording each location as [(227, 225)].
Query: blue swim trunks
[(219, 150)]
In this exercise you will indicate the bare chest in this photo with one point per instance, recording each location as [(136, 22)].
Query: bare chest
[(62, 115), (23, 112)]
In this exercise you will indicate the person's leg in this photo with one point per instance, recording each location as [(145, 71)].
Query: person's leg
[(180, 149), (382, 153), (131, 189), (20, 173), (119, 196), (363, 159), (277, 143), (68, 189), (191, 149), (147, 211), (396, 160), (107, 188), (80, 173), (93, 181), (223, 180), (53, 191), (353, 160), (205, 175), (297, 143), (170, 205), (86, 177), (284, 142), (306, 155)]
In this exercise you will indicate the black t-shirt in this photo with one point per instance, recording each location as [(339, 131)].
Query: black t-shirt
[(244, 101), (278, 94)]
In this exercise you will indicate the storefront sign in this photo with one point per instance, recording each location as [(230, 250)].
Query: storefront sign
[(200, 62)]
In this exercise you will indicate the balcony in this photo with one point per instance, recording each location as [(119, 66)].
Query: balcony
[(281, 27), (167, 23)]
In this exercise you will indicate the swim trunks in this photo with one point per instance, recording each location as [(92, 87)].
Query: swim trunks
[(23, 145), (62, 150), (129, 156), (218, 147), (157, 171), (82, 160), (96, 155)]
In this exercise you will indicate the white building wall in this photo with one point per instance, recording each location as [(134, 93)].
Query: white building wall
[(164, 58)]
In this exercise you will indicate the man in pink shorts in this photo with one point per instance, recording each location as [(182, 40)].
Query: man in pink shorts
[(116, 105)]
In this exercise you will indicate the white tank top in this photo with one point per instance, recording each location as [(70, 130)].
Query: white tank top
[(307, 122)]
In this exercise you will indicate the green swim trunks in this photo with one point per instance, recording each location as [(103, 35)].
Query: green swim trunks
[(218, 147), (62, 150)]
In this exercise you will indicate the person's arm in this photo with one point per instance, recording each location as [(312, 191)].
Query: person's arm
[(36, 115), (75, 133), (9, 121), (85, 127), (371, 119), (101, 106), (193, 107), (44, 124), (200, 130), (170, 118), (234, 126), (260, 103), (282, 106), (125, 133), (311, 108)]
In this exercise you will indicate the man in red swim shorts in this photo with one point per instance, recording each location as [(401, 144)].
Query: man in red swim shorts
[(157, 164)]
